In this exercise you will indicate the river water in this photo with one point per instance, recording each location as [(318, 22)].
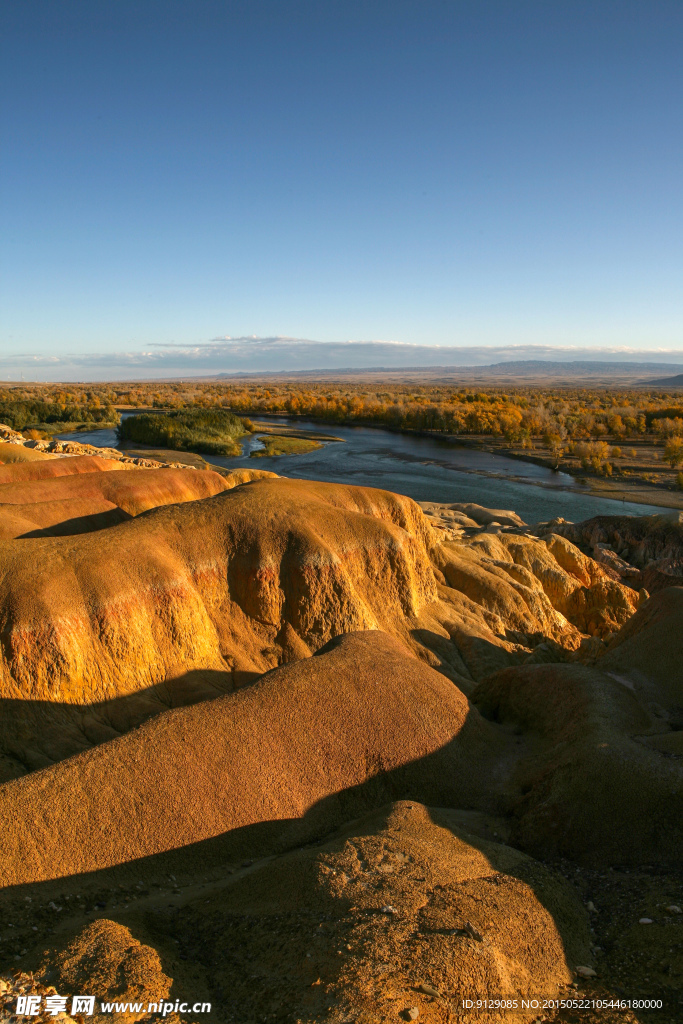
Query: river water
[(424, 468)]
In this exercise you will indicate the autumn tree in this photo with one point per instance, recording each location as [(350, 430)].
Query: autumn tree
[(673, 451)]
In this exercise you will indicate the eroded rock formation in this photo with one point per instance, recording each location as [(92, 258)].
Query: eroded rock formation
[(198, 668)]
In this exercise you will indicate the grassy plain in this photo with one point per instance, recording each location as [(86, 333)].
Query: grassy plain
[(279, 444)]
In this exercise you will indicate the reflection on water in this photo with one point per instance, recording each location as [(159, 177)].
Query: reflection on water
[(428, 469)]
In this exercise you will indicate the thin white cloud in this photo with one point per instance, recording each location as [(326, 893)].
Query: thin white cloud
[(280, 354)]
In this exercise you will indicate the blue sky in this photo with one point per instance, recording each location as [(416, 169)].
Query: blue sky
[(494, 173)]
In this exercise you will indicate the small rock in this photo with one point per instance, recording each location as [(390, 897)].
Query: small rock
[(645, 920), (472, 932), (493, 528), (429, 990), (412, 1013), (389, 910), (586, 972), (591, 907), (673, 909)]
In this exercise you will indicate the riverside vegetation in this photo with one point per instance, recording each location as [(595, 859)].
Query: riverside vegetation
[(214, 431), (281, 444), (635, 436), (40, 416)]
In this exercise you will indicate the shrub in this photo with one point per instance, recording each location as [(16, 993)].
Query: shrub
[(18, 414), (202, 430)]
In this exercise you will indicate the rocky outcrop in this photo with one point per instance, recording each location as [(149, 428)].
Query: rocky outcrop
[(258, 574), (468, 514), (14, 448), (536, 587), (652, 544)]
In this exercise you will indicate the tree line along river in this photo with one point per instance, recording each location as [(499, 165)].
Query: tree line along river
[(424, 468)]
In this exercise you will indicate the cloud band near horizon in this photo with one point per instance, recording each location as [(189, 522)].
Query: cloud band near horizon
[(280, 354)]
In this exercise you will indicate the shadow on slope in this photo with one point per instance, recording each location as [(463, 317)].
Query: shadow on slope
[(362, 713), (605, 783), (91, 523), (36, 733), (394, 907)]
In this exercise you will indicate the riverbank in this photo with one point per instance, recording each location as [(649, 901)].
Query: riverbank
[(427, 467), (626, 484), (638, 471), (637, 461)]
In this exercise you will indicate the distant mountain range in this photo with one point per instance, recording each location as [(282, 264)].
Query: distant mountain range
[(524, 367), (602, 372), (228, 357), (667, 382)]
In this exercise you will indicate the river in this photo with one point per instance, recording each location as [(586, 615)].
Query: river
[(424, 468)]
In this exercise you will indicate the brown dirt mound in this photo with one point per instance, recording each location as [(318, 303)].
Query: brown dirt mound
[(104, 958), (11, 454), (22, 472), (597, 787), (647, 655), (416, 906), (292, 746), (400, 909), (239, 583), (248, 579)]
